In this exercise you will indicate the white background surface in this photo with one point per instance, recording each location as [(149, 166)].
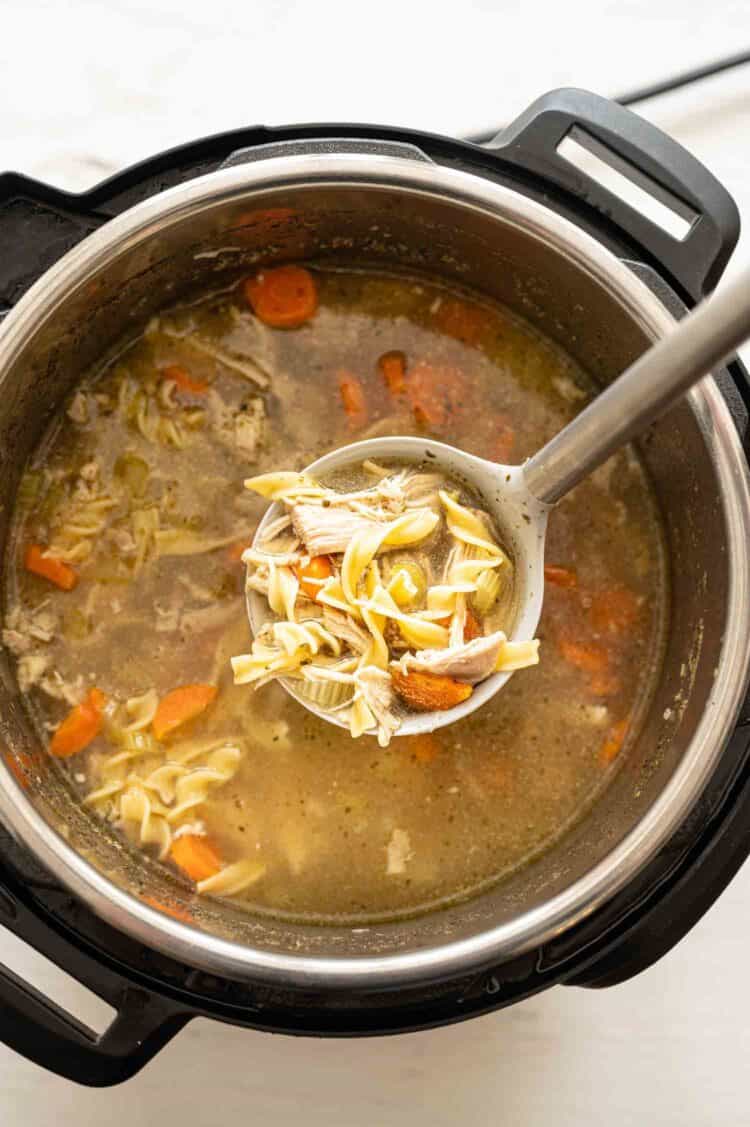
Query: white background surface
[(87, 87)]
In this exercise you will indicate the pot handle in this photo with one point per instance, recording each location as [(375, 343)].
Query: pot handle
[(38, 224), (650, 160), (44, 1032)]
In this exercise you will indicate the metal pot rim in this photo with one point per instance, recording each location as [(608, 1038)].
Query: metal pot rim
[(584, 896)]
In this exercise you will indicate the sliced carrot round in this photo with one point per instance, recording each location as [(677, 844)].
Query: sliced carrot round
[(392, 367), (560, 576), (353, 398), (615, 610), (591, 658), (56, 571), (82, 725), (438, 393), (610, 749), (196, 856), (181, 705), (184, 380), (467, 323), (284, 297)]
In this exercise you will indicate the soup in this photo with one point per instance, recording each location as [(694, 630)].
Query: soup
[(125, 602)]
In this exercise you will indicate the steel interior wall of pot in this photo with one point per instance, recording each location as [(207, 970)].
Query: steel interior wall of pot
[(413, 231)]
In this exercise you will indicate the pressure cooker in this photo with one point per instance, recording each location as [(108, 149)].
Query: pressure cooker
[(518, 221)]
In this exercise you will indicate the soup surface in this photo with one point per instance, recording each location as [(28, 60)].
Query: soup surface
[(125, 602)]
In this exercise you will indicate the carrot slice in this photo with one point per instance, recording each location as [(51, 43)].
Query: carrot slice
[(181, 705), (284, 297), (614, 611), (437, 393), (424, 747), (560, 576), (353, 398), (472, 628), (319, 567), (20, 766), (196, 856), (610, 749), (392, 367), (56, 571), (429, 692), (82, 725), (591, 658), (172, 910), (184, 380), (264, 215), (467, 323), (604, 684)]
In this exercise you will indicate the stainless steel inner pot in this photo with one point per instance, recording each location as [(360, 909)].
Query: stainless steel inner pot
[(396, 212)]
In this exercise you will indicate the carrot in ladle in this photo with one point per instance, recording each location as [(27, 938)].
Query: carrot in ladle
[(318, 568), (429, 692)]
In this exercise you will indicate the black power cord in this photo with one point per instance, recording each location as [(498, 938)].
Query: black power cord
[(685, 78)]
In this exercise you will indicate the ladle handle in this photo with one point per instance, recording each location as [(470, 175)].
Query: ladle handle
[(702, 339)]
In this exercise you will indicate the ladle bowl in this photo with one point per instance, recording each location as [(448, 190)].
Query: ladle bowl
[(521, 521)]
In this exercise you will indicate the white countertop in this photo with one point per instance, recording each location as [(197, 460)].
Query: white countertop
[(87, 87)]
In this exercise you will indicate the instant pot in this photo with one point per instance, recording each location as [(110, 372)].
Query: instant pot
[(518, 221)]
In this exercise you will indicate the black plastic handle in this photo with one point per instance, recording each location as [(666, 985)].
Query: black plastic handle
[(36, 1027), (647, 157), (38, 224)]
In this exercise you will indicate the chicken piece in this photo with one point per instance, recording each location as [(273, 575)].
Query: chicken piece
[(325, 531), (240, 431), (344, 627), (249, 429), (470, 663), (30, 670), (398, 852), (377, 690)]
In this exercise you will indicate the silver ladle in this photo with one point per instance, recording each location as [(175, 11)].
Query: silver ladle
[(520, 498)]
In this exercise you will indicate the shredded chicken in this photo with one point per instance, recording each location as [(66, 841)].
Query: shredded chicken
[(55, 686), (398, 851), (123, 540), (31, 669), (239, 430), (470, 662), (244, 364), (344, 627), (23, 628), (378, 694), (210, 617), (248, 429), (325, 531), (78, 410)]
